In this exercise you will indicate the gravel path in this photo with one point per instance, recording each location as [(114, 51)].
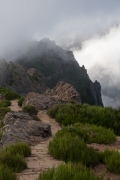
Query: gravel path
[(40, 160), (14, 106)]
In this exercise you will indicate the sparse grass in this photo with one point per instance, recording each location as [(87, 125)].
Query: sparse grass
[(69, 172), (15, 162), (73, 113), (19, 148), (9, 94), (13, 156), (73, 149), (20, 101), (6, 173), (112, 161), (3, 111), (90, 133), (32, 111), (5, 103)]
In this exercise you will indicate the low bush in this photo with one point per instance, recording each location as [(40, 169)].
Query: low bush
[(5, 103), (31, 110), (15, 162), (6, 173), (3, 111), (69, 172), (20, 101), (9, 94), (90, 133), (73, 113), (73, 149), (19, 148), (13, 156), (112, 160)]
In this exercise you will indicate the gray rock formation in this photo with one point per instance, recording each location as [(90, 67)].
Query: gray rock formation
[(62, 93), (40, 101), (65, 92), (17, 78), (20, 127)]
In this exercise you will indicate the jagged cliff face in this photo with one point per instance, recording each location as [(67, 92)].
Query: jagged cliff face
[(56, 64), (15, 77)]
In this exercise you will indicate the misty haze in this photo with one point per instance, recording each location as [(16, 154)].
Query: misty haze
[(88, 28)]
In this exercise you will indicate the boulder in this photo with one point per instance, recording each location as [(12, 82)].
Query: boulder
[(40, 101), (65, 92), (20, 127)]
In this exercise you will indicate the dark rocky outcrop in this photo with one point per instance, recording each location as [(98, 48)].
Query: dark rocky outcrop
[(64, 92), (56, 64), (20, 126), (15, 77)]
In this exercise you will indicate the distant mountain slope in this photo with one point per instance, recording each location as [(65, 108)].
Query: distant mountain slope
[(14, 76), (55, 64)]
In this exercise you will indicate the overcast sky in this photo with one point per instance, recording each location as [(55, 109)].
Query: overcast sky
[(66, 21), (89, 27)]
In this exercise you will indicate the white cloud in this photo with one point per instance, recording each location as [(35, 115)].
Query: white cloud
[(101, 56)]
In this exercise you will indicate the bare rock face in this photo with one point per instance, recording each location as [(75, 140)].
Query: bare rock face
[(20, 127), (62, 93), (65, 92), (40, 101)]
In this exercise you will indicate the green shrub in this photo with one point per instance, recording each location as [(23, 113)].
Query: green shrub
[(31, 110), (69, 172), (72, 148), (20, 101), (73, 113), (3, 111), (90, 133), (19, 148), (10, 95), (13, 156), (5, 103), (15, 162), (6, 173), (112, 160)]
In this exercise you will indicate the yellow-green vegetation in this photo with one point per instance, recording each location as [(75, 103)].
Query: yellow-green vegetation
[(69, 172), (20, 101), (15, 162), (5, 103), (6, 173), (3, 111), (73, 113), (84, 124), (20, 148), (89, 133), (9, 94), (13, 156), (73, 149), (112, 160)]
